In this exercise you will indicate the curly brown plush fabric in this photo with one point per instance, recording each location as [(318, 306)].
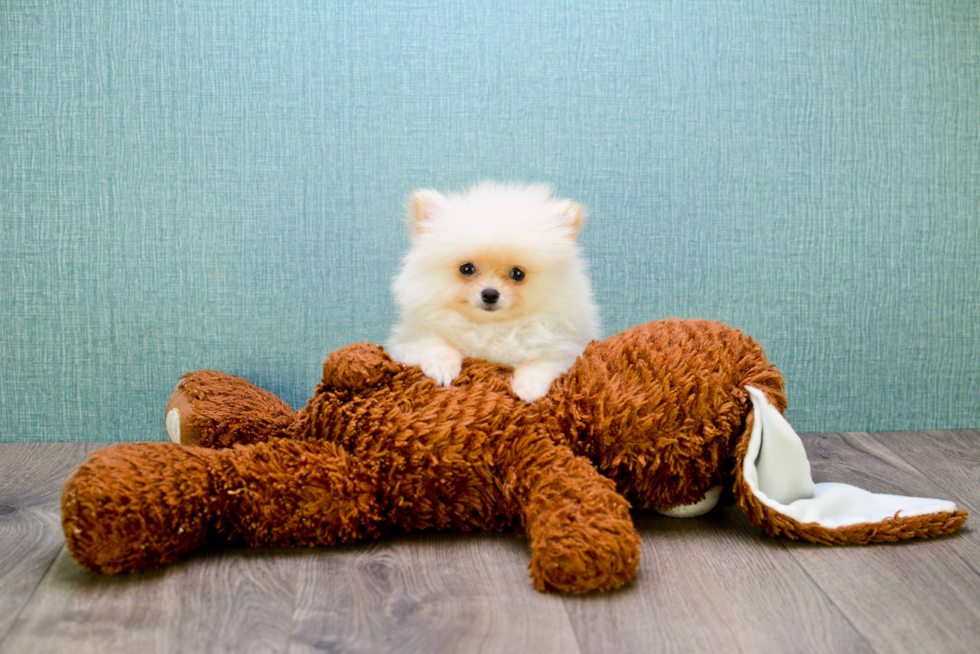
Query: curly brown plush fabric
[(651, 417)]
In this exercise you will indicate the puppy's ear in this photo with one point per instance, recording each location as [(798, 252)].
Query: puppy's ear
[(422, 206), (574, 216)]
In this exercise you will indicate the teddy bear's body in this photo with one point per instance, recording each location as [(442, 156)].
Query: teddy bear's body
[(655, 417)]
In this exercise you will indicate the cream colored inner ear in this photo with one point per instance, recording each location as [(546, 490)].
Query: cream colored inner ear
[(575, 216), (421, 207)]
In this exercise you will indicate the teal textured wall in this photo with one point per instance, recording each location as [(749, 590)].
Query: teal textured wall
[(190, 185)]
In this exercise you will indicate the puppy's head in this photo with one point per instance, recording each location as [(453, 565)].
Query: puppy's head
[(494, 252)]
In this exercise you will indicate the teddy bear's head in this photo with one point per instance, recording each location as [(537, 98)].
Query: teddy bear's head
[(657, 407)]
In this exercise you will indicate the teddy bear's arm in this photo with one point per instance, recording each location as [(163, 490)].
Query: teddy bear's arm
[(136, 506), (212, 409), (582, 536)]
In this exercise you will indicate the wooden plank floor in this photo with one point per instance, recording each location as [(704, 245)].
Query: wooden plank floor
[(706, 584)]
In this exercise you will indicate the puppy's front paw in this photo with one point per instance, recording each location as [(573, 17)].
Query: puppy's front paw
[(439, 361), (531, 382), (443, 369)]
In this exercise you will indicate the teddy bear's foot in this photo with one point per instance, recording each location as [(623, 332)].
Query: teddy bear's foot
[(571, 557), (138, 505), (211, 409), (709, 502), (582, 535)]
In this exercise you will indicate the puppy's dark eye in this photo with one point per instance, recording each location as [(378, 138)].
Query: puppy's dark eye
[(517, 274), (467, 269)]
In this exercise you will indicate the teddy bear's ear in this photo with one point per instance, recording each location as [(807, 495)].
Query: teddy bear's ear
[(357, 367), (422, 206)]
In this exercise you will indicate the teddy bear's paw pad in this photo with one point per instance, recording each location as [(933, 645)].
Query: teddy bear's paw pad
[(173, 425), (179, 419), (709, 502)]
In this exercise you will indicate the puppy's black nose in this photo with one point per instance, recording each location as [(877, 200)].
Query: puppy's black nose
[(490, 295)]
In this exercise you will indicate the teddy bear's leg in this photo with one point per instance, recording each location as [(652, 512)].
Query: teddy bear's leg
[(140, 505), (212, 409), (582, 536)]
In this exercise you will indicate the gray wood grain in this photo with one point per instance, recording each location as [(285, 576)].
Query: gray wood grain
[(916, 596), (427, 593), (230, 600), (712, 584), (30, 529)]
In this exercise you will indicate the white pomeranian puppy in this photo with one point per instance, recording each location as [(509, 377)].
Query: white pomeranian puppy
[(494, 273)]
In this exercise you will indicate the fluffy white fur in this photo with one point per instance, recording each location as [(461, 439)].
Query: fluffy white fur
[(537, 325)]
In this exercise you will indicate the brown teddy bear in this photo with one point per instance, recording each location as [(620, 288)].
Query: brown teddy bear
[(664, 416)]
